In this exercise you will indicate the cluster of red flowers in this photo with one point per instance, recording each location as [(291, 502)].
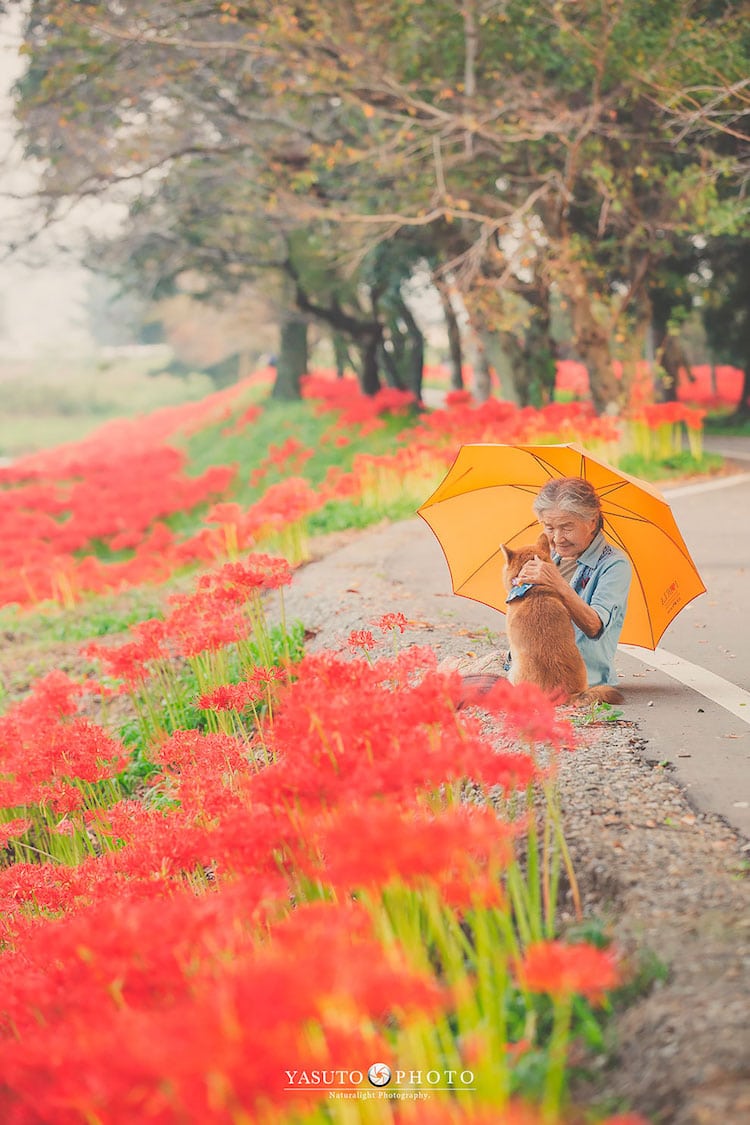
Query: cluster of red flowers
[(287, 458), (566, 970), (87, 517), (221, 611), (238, 697), (57, 504), (355, 409), (46, 749), (498, 421), (166, 972), (656, 414), (263, 907)]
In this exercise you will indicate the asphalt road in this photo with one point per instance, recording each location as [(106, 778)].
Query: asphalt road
[(700, 728), (707, 742)]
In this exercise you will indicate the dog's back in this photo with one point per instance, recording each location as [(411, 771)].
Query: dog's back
[(542, 641)]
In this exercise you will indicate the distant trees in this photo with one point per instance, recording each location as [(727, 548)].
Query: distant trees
[(527, 155), (726, 314)]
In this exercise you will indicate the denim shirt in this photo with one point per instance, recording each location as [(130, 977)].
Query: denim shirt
[(602, 580)]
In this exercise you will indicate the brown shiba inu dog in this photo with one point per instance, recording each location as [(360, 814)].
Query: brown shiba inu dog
[(542, 641)]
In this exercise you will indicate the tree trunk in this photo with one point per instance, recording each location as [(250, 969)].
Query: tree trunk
[(369, 375), (531, 360), (414, 353), (592, 345), (742, 412), (389, 363), (340, 354), (605, 390), (482, 371), (497, 362), (292, 359), (671, 357), (455, 350), (512, 370)]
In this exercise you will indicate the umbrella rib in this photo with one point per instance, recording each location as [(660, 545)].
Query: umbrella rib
[(543, 464), (484, 562), (469, 577), (681, 547)]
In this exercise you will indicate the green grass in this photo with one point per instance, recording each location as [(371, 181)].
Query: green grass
[(669, 468), (46, 404), (96, 616), (278, 422)]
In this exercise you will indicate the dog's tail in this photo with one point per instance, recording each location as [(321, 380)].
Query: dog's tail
[(603, 693)]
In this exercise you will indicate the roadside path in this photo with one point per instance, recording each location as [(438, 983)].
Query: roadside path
[(664, 876), (691, 697)]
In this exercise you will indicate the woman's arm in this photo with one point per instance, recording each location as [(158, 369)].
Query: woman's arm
[(540, 573)]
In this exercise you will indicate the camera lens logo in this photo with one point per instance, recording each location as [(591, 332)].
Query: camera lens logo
[(379, 1074)]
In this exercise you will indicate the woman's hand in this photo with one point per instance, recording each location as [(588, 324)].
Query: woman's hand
[(541, 573)]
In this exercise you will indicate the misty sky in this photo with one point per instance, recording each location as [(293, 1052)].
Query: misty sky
[(41, 295)]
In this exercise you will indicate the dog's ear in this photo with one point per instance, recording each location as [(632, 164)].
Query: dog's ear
[(508, 552), (543, 548)]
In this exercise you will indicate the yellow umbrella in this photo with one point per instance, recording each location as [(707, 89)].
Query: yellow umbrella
[(486, 499)]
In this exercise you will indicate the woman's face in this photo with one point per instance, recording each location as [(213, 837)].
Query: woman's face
[(569, 535)]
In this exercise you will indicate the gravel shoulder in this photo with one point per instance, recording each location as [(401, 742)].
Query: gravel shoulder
[(669, 880)]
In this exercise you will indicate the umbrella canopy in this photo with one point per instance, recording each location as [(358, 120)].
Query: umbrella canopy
[(486, 499)]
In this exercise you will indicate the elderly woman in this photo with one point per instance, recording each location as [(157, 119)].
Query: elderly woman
[(591, 576)]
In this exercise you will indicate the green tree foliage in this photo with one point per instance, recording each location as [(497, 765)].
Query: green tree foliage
[(726, 313), (526, 153)]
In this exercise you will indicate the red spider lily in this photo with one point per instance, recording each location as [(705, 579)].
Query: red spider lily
[(258, 573), (391, 621), (290, 457), (369, 845), (12, 829), (361, 638), (44, 746), (130, 661), (126, 662), (48, 888), (458, 398), (225, 513), (246, 418), (238, 697), (53, 695), (103, 492), (561, 970), (339, 485), (334, 739), (286, 502), (523, 711), (354, 408), (215, 752), (204, 621), (226, 697), (148, 1036)]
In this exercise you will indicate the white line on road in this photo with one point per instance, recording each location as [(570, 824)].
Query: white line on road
[(728, 695)]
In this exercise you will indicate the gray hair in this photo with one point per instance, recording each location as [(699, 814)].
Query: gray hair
[(569, 494)]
